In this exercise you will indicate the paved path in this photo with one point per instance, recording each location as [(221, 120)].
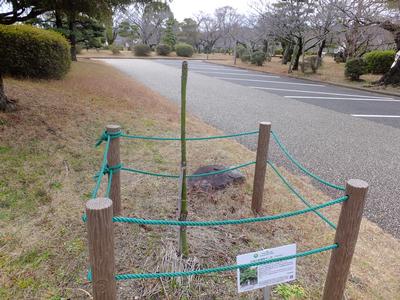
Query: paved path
[(323, 134)]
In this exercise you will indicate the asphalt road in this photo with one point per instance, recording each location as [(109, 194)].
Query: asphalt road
[(337, 133)]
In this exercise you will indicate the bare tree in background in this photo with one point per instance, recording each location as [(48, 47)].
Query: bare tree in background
[(149, 19)]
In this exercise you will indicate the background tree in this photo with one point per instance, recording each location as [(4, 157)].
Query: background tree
[(149, 18), (169, 37), (188, 32)]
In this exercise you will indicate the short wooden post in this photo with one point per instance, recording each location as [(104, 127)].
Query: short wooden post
[(99, 214), (114, 160), (261, 166), (346, 237)]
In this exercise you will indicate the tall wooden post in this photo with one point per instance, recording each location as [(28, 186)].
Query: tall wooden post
[(99, 214), (346, 237), (261, 166), (113, 158)]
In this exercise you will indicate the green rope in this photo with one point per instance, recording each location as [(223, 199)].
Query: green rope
[(213, 137), (293, 160), (229, 222), (189, 176), (102, 169), (104, 136), (109, 183), (223, 268), (294, 191)]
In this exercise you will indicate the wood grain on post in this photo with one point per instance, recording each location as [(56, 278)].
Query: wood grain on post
[(99, 214), (261, 166), (113, 158), (346, 237)]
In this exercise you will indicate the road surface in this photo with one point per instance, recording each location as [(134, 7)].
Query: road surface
[(337, 133)]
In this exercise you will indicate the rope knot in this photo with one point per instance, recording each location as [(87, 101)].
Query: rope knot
[(104, 136)]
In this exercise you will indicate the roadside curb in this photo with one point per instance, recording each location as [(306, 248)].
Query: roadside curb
[(312, 80)]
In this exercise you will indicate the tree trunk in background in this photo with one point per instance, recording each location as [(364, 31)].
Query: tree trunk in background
[(321, 48), (393, 75), (287, 54), (58, 19), (297, 55), (72, 37), (5, 103)]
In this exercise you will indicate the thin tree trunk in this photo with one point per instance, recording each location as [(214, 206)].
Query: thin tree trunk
[(58, 19), (287, 54), (5, 103), (72, 37), (297, 55), (321, 48), (183, 244)]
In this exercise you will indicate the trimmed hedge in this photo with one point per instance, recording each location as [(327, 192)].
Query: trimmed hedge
[(27, 51), (354, 68), (183, 49), (379, 62), (163, 49), (141, 50)]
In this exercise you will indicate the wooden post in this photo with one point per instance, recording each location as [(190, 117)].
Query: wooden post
[(99, 214), (261, 166), (346, 237), (114, 160)]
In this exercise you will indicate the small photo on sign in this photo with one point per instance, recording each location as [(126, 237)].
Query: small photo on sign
[(257, 277), (248, 276)]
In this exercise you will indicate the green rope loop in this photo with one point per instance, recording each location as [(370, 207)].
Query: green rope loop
[(295, 192), (228, 222), (103, 167), (302, 168), (104, 135), (131, 170), (213, 137), (223, 268)]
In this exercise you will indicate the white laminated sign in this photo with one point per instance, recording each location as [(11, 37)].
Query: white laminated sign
[(268, 274)]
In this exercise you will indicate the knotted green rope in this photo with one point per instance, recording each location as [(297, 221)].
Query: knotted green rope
[(189, 176), (213, 137), (104, 136), (222, 268), (229, 222), (102, 169), (295, 192), (303, 169)]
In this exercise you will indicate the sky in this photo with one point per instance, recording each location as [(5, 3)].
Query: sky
[(188, 8)]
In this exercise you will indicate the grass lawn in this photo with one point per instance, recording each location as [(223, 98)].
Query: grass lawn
[(330, 71), (48, 160)]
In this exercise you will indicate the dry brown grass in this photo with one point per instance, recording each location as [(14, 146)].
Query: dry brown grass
[(330, 71), (48, 159)]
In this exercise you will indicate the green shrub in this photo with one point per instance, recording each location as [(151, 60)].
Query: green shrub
[(26, 51), (278, 51), (240, 50), (379, 62), (141, 50), (163, 49), (183, 49), (245, 57), (258, 58), (78, 48), (116, 50), (354, 68)]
